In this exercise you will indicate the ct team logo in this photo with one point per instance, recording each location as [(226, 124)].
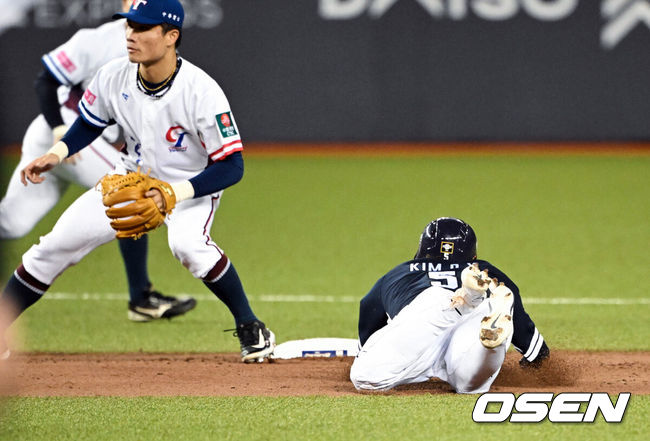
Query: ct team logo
[(226, 127), (137, 3), (176, 135)]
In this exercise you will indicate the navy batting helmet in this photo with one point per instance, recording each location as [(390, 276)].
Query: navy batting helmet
[(447, 239)]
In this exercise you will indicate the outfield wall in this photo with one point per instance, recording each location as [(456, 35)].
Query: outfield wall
[(345, 70)]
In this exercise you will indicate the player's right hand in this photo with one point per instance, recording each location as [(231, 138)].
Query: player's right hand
[(32, 172)]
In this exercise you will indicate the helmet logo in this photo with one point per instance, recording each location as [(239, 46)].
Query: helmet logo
[(447, 247)]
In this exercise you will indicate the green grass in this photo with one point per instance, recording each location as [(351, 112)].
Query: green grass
[(566, 327), (307, 418), (568, 227), (201, 330)]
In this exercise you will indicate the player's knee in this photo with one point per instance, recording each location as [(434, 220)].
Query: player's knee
[(366, 376), (362, 382), (358, 375), (181, 253), (473, 380), (184, 247), (467, 385), (11, 227)]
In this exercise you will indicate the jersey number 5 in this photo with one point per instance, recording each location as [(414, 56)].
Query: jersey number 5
[(444, 279)]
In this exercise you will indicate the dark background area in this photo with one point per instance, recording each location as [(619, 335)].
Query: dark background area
[(291, 75)]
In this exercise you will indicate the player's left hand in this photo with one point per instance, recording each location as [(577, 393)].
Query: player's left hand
[(34, 169), (137, 203), (157, 198)]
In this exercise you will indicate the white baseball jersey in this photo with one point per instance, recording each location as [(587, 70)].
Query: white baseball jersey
[(177, 134), (74, 62), (78, 59)]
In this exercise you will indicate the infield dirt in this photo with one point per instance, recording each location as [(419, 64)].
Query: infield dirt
[(204, 374)]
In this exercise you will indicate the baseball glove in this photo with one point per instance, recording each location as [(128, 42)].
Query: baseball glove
[(132, 214)]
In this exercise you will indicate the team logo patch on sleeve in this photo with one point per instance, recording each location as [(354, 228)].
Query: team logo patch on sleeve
[(90, 97), (226, 127), (66, 63)]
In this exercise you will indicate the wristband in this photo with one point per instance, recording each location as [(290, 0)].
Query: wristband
[(183, 190), (59, 131), (60, 150)]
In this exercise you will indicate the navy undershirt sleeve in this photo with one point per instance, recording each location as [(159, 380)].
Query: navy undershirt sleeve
[(220, 175), (79, 135), (372, 313), (47, 86)]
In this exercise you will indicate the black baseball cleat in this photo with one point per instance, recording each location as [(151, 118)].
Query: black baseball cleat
[(256, 341), (544, 354), (156, 306)]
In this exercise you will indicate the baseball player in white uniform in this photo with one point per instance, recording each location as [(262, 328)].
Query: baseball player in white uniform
[(72, 64), (443, 314), (68, 69), (177, 123)]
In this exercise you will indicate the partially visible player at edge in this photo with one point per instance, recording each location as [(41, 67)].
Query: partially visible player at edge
[(177, 123), (67, 69), (443, 314)]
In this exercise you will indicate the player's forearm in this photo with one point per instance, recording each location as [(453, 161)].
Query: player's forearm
[(218, 176), (48, 99), (80, 135)]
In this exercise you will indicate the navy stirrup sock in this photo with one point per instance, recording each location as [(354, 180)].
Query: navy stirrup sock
[(228, 288), (134, 254), (21, 292)]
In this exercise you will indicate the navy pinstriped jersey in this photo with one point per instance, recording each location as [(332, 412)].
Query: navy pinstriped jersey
[(402, 284)]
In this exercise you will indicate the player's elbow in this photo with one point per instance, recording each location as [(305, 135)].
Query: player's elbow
[(238, 166)]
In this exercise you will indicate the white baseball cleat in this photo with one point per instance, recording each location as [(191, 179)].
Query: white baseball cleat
[(5, 355), (497, 327), (476, 280), (475, 283)]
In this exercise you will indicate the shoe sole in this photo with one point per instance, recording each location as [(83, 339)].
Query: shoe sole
[(174, 311), (497, 327), (5, 355), (259, 356)]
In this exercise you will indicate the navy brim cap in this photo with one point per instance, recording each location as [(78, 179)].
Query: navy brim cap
[(137, 18)]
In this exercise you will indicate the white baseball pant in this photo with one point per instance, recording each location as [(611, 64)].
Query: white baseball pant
[(23, 206), (84, 226), (429, 339)]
